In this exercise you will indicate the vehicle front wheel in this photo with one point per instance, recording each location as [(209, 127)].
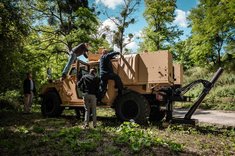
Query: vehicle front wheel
[(51, 105)]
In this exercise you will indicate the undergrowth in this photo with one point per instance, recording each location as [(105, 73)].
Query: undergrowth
[(129, 133), (221, 96), (35, 135)]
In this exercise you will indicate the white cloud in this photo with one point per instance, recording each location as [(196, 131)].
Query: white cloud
[(110, 3), (180, 19), (133, 45), (138, 34), (109, 23)]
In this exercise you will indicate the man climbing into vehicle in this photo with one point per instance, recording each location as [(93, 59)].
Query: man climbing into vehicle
[(81, 49), (89, 84), (106, 73)]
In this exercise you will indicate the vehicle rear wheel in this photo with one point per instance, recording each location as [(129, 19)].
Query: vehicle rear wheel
[(132, 106), (51, 105)]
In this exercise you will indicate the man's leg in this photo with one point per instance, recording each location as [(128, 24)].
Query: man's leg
[(93, 107), (71, 60), (87, 109), (118, 82), (103, 87), (26, 103), (30, 101)]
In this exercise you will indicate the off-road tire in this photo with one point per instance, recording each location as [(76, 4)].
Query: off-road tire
[(156, 114), (134, 106), (51, 105)]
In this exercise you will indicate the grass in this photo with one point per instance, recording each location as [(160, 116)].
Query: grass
[(35, 135)]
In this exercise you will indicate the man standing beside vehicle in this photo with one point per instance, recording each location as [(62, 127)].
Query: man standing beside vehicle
[(29, 91), (81, 49), (89, 84), (106, 72)]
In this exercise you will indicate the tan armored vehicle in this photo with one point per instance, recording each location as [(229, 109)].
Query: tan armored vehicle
[(152, 83)]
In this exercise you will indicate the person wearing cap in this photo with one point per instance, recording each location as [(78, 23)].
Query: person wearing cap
[(89, 85), (106, 72), (81, 49)]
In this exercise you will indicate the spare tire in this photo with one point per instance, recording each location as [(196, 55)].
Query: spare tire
[(51, 105), (133, 106)]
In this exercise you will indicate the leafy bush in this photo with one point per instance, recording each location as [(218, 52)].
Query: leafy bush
[(221, 96), (131, 134), (128, 133), (11, 100), (38, 129)]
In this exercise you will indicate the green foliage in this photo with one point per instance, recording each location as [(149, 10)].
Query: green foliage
[(69, 132), (175, 146), (38, 129), (221, 95), (72, 137), (11, 100), (181, 53), (228, 58), (65, 27), (22, 129), (182, 129), (212, 29), (34, 135), (69, 136), (160, 30), (14, 28), (131, 134), (57, 27), (128, 133)]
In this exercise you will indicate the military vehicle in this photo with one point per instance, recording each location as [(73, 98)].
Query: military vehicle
[(151, 80)]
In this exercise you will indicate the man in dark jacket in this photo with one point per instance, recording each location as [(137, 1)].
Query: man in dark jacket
[(29, 91), (106, 72), (89, 84), (81, 49)]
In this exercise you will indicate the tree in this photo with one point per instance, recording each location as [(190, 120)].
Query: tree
[(228, 58), (63, 23), (160, 32), (122, 22), (58, 26), (181, 53), (13, 30), (212, 28)]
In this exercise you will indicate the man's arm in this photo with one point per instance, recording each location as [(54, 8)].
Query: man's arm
[(112, 54)]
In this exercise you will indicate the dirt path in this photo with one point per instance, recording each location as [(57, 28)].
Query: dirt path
[(210, 116)]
